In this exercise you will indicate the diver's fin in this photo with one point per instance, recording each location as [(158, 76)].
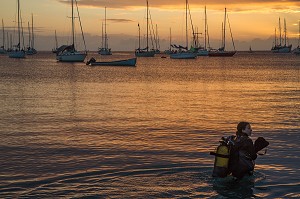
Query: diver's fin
[(260, 143)]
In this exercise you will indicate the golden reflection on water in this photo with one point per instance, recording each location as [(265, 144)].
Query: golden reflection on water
[(58, 119), (275, 167)]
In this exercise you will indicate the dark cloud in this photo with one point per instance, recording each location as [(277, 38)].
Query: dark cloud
[(124, 4), (25, 28), (120, 20)]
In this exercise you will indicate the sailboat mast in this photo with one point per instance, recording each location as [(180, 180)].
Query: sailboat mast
[(3, 33), (222, 41), (19, 34), (29, 36), (105, 35), (56, 40), (156, 40), (275, 39), (32, 34), (102, 36), (205, 29), (139, 36), (186, 24), (170, 39), (224, 29), (299, 35), (147, 24), (73, 30), (284, 33), (10, 41), (280, 32), (7, 40)]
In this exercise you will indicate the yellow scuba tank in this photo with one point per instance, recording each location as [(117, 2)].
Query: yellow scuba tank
[(222, 155)]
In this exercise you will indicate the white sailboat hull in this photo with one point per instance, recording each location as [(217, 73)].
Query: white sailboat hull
[(16, 54), (183, 55), (71, 57), (68, 53)]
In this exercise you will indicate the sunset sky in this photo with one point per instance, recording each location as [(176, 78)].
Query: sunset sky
[(252, 21)]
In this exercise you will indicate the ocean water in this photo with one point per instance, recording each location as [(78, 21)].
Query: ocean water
[(68, 130)]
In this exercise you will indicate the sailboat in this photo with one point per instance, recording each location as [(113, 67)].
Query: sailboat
[(68, 53), (278, 47), (157, 45), (221, 52), (203, 51), (31, 50), (169, 51), (297, 49), (2, 48), (54, 50), (17, 52), (250, 50), (145, 52), (183, 52), (104, 50)]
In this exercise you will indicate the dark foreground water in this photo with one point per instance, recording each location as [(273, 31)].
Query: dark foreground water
[(73, 131)]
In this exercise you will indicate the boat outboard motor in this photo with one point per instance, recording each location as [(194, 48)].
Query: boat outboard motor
[(92, 60)]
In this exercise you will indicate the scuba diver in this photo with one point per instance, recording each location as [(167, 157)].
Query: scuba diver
[(236, 154), (243, 154)]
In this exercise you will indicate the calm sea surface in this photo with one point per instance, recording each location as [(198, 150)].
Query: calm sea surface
[(68, 130)]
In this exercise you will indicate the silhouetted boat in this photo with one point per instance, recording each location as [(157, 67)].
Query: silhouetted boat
[(125, 62), (169, 51), (250, 50), (203, 51), (31, 50), (278, 47), (221, 52), (104, 50), (297, 49)]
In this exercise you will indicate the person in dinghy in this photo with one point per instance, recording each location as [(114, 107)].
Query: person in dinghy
[(236, 154)]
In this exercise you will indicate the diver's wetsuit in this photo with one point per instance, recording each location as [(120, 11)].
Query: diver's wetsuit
[(242, 157)]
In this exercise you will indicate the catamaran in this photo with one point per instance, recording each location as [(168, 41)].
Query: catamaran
[(18, 52), (68, 53)]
